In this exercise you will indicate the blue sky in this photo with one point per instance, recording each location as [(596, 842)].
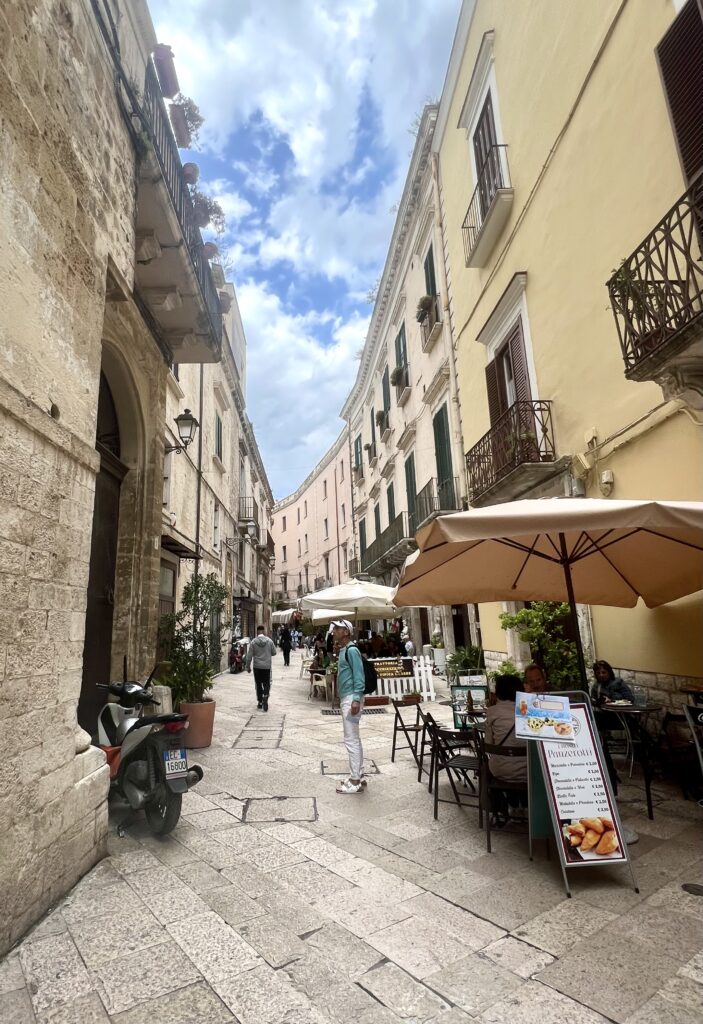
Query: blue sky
[(308, 106)]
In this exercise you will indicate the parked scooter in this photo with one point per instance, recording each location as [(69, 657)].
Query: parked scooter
[(146, 754), (236, 658)]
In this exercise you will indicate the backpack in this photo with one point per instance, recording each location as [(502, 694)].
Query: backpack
[(370, 673)]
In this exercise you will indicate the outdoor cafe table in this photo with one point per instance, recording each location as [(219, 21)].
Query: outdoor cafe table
[(634, 719)]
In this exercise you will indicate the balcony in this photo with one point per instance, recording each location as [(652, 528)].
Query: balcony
[(435, 498), (391, 547), (516, 455), (358, 472), (172, 274), (489, 208), (371, 452), (431, 326), (383, 422), (401, 379), (657, 300), (353, 567), (249, 517), (267, 546)]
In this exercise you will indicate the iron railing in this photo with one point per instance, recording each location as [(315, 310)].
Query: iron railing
[(319, 582), (436, 497), (371, 451), (657, 292), (492, 177), (353, 567), (383, 420), (248, 511), (402, 381), (172, 170), (398, 530), (523, 434), (428, 323)]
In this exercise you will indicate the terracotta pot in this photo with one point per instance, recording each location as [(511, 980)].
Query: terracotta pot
[(376, 701), (165, 70), (412, 698), (191, 172), (201, 718), (225, 301), (201, 213), (179, 125), (210, 250)]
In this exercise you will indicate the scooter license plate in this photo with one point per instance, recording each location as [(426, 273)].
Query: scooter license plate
[(175, 763)]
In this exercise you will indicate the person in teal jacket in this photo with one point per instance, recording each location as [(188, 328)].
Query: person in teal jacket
[(350, 687)]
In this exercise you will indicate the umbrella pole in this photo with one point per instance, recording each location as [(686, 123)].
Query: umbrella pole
[(572, 609)]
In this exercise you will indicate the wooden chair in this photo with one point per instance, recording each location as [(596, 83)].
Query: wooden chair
[(446, 759), (490, 784), (410, 730)]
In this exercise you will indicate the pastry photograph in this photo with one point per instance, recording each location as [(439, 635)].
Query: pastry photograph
[(590, 839)]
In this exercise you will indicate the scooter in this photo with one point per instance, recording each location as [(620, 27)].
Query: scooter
[(236, 659), (146, 754)]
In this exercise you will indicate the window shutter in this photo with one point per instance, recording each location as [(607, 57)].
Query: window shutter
[(518, 357), (680, 56), (377, 519), (430, 282), (362, 536), (492, 391), (443, 454), (410, 486), (391, 504), (386, 391)]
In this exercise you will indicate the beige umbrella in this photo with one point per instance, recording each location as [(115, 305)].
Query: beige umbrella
[(588, 550), (367, 600)]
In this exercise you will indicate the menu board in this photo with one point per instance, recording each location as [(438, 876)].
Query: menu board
[(580, 794), (392, 668), (543, 716)]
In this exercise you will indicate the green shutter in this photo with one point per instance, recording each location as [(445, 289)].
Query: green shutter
[(377, 519), (442, 447), (430, 281), (362, 536), (386, 386), (411, 488), (373, 426), (401, 354), (390, 495)]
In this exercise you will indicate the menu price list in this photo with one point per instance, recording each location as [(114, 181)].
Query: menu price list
[(576, 775)]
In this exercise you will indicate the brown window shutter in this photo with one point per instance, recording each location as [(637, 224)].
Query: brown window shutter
[(518, 357), (494, 405), (680, 56)]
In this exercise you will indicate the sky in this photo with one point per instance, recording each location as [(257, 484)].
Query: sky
[(308, 107)]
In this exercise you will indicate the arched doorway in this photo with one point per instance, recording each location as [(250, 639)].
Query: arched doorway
[(97, 647)]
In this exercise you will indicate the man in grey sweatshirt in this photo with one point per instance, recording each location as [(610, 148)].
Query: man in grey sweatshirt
[(260, 651)]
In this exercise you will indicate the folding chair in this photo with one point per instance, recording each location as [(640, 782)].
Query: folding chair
[(490, 784), (446, 759), (411, 731), (305, 664)]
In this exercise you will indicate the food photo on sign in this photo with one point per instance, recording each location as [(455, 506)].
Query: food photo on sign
[(543, 717)]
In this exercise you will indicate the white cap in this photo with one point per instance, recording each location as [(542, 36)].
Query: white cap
[(343, 624)]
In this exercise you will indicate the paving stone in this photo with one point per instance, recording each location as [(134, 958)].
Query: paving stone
[(11, 977), (134, 860), (100, 939), (281, 809), (419, 946), (611, 976), (168, 850), (249, 879), (196, 1004), (132, 979), (345, 1003), (54, 972), (232, 905), (213, 946), (659, 1010), (294, 914), (199, 876), (472, 931), (262, 850), (680, 935), (215, 820), (313, 975), (516, 956), (16, 1007), (115, 900), (473, 984), (693, 969), (194, 803), (311, 881), (516, 899), (536, 1004), (319, 850), (53, 924), (86, 1010), (261, 996), (288, 833), (156, 880), (562, 927), (406, 997), (175, 903), (361, 913), (343, 950), (276, 945), (672, 897)]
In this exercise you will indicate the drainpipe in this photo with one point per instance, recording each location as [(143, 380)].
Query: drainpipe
[(336, 522), (198, 490)]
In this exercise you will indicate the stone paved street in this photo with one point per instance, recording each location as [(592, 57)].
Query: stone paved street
[(275, 900)]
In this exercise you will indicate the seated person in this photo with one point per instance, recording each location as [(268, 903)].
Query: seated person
[(608, 686), (534, 679), (500, 731)]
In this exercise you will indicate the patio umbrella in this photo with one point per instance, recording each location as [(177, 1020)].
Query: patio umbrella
[(369, 600), (284, 615), (585, 550), (328, 614)]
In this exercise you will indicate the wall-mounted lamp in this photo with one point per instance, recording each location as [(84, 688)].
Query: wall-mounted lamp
[(251, 529), (187, 429)]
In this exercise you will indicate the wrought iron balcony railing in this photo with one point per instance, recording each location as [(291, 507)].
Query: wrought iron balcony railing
[(169, 160), (353, 567), (493, 179), (371, 452), (657, 292), (436, 497), (391, 538), (383, 422), (248, 511), (522, 435)]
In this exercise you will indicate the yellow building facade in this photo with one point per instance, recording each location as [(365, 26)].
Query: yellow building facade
[(567, 133)]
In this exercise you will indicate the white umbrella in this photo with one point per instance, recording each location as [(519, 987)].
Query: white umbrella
[(328, 614), (368, 600), (284, 615)]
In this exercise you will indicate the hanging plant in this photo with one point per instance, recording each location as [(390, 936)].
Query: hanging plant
[(207, 211), (191, 173), (185, 114), (210, 250), (380, 417), (396, 375), (424, 307), (165, 70)]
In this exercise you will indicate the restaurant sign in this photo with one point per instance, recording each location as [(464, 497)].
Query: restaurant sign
[(392, 668)]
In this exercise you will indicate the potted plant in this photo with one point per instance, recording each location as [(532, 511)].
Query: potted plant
[(464, 661), (396, 374), (186, 120), (414, 697), (438, 653), (191, 640), (210, 250), (191, 173), (380, 417), (424, 307), (207, 211), (165, 70)]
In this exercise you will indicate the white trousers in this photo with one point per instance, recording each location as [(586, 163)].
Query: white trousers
[(352, 740)]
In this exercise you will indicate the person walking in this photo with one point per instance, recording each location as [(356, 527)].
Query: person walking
[(260, 652), (350, 686), (285, 643)]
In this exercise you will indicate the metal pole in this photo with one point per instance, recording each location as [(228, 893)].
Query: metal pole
[(572, 608), (198, 489)]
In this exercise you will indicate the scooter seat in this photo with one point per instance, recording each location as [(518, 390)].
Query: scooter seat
[(156, 720)]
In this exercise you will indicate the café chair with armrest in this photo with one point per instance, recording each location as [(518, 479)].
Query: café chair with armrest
[(491, 785), (446, 758)]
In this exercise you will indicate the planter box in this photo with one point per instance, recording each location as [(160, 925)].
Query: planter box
[(201, 718), (376, 701)]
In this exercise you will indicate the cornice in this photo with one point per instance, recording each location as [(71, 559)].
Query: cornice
[(438, 384)]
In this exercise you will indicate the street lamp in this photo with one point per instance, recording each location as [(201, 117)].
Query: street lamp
[(187, 427)]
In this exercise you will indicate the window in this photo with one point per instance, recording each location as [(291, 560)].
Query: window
[(306, 542), (327, 567), (430, 280), (305, 510), (377, 519), (343, 514), (345, 560), (390, 498), (341, 471), (242, 477), (411, 490), (401, 349), (283, 528), (240, 558), (307, 577), (324, 489), (167, 588), (218, 436), (373, 426), (486, 155), (507, 379), (166, 494), (443, 456), (284, 581), (679, 61), (358, 460), (298, 510), (216, 527), (362, 536), (300, 549), (386, 389), (325, 526), (284, 557)]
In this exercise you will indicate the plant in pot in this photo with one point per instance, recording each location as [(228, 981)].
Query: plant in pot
[(463, 662), (381, 417), (207, 211), (191, 173), (424, 307), (191, 640), (414, 697), (396, 374), (544, 627), (186, 120)]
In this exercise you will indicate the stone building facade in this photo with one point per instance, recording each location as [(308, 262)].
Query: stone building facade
[(313, 528), (103, 285)]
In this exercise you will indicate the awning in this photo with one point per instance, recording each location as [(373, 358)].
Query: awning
[(283, 615), (178, 544)]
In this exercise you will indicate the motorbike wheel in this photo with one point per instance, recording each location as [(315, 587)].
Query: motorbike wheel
[(163, 812)]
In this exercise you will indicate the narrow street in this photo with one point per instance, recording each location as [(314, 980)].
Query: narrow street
[(277, 900)]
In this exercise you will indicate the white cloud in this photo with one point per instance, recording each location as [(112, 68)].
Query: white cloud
[(295, 384), (234, 206)]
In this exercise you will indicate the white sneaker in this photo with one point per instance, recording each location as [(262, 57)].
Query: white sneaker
[(348, 787)]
